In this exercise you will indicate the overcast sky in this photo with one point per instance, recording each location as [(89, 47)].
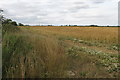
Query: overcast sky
[(82, 12)]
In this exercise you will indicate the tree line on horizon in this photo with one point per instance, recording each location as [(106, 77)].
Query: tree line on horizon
[(21, 24)]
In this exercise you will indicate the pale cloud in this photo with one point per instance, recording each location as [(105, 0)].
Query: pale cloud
[(101, 12)]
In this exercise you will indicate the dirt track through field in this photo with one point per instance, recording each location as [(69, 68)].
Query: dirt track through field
[(103, 49)]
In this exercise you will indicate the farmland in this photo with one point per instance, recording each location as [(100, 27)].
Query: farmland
[(100, 34), (62, 52)]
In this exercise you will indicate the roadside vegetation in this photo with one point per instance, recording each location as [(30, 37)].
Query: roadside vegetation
[(59, 52), (26, 56)]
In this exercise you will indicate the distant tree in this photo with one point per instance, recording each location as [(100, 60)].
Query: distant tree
[(1, 10), (26, 25), (20, 24), (49, 25), (94, 25), (1, 18), (7, 21), (9, 26), (14, 23)]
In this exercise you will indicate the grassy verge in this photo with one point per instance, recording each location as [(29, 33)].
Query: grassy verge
[(45, 54), (30, 57)]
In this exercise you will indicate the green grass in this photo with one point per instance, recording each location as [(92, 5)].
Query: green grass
[(100, 59), (13, 44), (29, 57), (27, 54)]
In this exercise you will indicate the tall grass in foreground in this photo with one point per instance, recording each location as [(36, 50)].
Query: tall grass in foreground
[(50, 56), (32, 57), (38, 53), (13, 45)]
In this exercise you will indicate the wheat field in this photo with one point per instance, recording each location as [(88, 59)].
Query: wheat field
[(61, 52), (101, 34)]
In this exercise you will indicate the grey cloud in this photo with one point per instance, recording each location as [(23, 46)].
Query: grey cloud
[(24, 10), (98, 1), (28, 20), (79, 3), (91, 17), (82, 7), (59, 11), (77, 8)]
